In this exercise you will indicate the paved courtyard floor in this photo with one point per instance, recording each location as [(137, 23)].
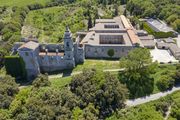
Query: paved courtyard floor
[(162, 56)]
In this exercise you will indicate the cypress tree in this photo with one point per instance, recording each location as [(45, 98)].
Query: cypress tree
[(90, 22)]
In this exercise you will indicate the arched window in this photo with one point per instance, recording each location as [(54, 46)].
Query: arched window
[(67, 44)]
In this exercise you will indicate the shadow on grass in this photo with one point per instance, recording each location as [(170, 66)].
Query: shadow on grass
[(108, 59)]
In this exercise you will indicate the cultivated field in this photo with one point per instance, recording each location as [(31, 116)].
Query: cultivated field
[(21, 2), (49, 24)]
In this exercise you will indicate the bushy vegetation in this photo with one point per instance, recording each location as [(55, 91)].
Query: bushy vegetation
[(165, 82), (8, 90), (10, 30), (49, 24), (167, 10)]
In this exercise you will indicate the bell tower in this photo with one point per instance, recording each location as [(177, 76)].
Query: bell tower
[(68, 45)]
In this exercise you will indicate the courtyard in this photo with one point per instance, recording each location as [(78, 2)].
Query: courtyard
[(162, 56)]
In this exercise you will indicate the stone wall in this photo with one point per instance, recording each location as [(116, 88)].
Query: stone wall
[(55, 63), (78, 54), (31, 62), (102, 51)]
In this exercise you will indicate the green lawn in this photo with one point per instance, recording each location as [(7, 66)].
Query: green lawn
[(60, 82), (98, 64), (21, 2)]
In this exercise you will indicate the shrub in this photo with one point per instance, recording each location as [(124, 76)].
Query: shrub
[(163, 34), (162, 106), (165, 83), (41, 81), (110, 52), (35, 6)]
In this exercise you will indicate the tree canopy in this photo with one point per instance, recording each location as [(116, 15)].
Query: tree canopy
[(138, 68), (8, 90), (167, 10)]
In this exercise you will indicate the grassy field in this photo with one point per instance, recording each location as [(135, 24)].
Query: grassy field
[(21, 2), (60, 82)]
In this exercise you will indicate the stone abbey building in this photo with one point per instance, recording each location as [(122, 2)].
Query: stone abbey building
[(49, 57), (117, 34)]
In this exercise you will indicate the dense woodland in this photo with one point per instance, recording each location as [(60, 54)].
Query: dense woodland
[(168, 10)]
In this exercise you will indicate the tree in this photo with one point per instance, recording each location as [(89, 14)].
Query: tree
[(165, 82), (104, 2), (116, 11), (125, 12), (8, 90), (138, 68), (110, 52), (102, 89), (41, 81), (90, 22), (177, 75), (176, 25), (1, 25), (163, 105), (172, 18), (96, 16)]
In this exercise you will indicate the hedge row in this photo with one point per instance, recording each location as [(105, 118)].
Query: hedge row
[(157, 34), (15, 66)]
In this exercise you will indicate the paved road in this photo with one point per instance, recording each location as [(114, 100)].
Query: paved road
[(152, 97)]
